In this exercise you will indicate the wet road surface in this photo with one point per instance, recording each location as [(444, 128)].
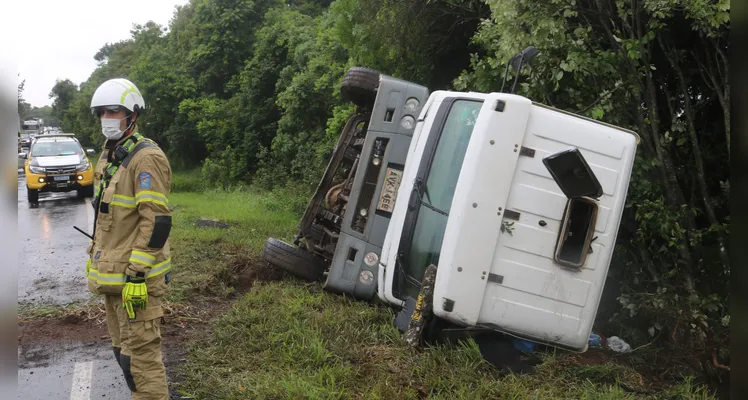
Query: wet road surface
[(51, 254), (64, 361)]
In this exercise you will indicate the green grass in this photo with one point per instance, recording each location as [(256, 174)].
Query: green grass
[(208, 260), (292, 340)]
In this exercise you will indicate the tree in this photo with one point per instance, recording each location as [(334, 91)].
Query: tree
[(23, 106), (62, 95)]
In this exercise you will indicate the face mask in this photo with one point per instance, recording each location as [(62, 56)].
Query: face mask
[(110, 128)]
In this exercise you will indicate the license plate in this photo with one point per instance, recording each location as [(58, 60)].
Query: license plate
[(389, 191), (62, 185), (62, 178)]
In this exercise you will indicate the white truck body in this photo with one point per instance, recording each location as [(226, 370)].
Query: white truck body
[(520, 280)]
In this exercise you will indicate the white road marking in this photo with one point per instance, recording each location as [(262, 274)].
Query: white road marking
[(81, 389), (90, 212)]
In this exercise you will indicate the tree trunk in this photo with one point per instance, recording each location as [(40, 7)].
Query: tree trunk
[(698, 160)]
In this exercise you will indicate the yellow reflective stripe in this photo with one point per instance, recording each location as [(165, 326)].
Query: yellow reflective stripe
[(159, 268), (131, 89), (151, 196), (106, 279), (142, 258), (120, 279), (123, 201)]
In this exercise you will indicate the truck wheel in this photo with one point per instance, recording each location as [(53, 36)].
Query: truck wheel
[(32, 195), (86, 191), (359, 86), (294, 260)]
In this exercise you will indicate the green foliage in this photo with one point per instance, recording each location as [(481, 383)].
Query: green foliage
[(62, 93)]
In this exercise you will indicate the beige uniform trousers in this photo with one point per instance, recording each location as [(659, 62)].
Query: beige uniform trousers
[(137, 348)]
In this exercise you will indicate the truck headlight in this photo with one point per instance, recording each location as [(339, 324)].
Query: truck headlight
[(36, 170), (408, 122), (411, 104), (371, 259), (83, 167)]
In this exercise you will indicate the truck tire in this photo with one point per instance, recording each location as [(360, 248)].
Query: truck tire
[(359, 86), (32, 195), (294, 260)]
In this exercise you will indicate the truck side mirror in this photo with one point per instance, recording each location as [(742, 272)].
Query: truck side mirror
[(23, 155), (90, 151)]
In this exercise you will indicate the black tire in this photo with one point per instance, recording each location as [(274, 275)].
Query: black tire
[(32, 195), (360, 86), (294, 260), (86, 191)]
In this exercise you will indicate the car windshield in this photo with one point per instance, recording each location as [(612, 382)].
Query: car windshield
[(51, 149), (439, 189)]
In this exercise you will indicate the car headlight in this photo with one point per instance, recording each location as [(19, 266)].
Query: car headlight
[(83, 167), (36, 170)]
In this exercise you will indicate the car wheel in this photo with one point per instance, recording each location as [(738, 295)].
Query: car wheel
[(86, 191), (299, 262), (32, 195), (359, 86)]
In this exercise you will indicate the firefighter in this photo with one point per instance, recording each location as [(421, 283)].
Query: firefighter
[(129, 258)]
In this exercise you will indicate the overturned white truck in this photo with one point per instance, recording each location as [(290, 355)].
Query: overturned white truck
[(517, 204)]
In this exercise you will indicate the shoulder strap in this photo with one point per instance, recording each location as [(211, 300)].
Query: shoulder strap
[(143, 144)]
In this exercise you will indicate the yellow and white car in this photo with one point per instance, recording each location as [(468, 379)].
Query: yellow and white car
[(57, 163)]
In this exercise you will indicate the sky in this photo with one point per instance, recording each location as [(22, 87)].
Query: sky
[(57, 39)]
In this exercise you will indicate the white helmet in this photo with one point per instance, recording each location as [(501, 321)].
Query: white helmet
[(118, 92)]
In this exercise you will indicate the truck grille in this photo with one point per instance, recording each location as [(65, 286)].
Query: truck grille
[(61, 170)]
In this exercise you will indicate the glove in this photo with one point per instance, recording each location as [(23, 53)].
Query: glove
[(134, 296)]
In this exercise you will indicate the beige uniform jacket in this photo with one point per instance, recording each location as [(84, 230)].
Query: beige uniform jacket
[(133, 225)]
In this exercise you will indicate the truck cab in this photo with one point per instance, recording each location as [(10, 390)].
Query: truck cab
[(517, 204)]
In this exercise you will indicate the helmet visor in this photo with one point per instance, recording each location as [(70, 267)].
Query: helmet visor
[(99, 111)]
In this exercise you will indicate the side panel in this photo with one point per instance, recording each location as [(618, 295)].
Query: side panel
[(537, 298), (476, 212), (343, 276)]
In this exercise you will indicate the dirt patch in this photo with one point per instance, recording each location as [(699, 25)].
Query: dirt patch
[(69, 328)]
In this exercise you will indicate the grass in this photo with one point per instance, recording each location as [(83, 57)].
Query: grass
[(209, 259), (289, 340)]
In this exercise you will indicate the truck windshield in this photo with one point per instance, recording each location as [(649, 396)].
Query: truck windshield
[(436, 191), (51, 149)]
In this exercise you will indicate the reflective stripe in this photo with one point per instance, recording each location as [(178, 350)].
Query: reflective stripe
[(159, 268), (150, 196), (130, 89), (106, 279), (123, 201), (120, 279), (142, 258)]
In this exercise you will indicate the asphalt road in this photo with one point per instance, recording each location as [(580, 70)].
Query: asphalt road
[(57, 360)]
